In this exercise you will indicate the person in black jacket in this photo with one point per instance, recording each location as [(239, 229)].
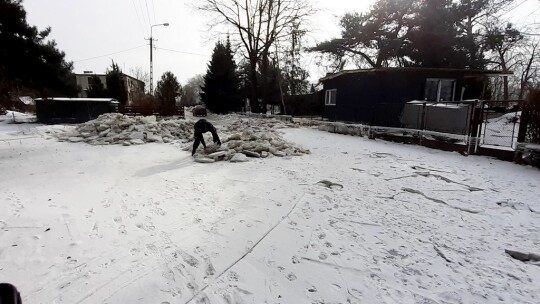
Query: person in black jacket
[(203, 126)]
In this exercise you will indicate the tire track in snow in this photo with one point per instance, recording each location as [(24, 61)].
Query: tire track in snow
[(247, 252)]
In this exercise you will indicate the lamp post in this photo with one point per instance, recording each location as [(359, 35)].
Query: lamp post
[(151, 57)]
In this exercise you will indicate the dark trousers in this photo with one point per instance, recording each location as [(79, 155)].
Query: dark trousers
[(198, 140)]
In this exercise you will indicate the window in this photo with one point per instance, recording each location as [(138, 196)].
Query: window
[(330, 97), (439, 89)]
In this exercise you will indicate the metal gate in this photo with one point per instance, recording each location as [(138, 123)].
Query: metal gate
[(500, 124)]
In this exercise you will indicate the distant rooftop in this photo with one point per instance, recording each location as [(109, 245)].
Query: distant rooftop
[(90, 73)]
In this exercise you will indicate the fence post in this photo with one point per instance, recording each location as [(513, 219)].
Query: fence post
[(423, 121), (472, 127), (479, 126), (523, 124)]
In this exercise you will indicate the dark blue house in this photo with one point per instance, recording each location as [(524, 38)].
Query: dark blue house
[(377, 96)]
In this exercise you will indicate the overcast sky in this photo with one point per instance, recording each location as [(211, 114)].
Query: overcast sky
[(90, 31)]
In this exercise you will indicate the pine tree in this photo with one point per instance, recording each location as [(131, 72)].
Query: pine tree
[(221, 90), (96, 89), (27, 60), (168, 89), (434, 41), (426, 33), (115, 84)]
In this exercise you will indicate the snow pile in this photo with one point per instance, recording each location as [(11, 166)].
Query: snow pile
[(114, 128), (251, 143), (249, 138), (241, 138), (17, 117), (234, 121)]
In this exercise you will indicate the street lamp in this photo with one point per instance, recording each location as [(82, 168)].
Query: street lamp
[(151, 57)]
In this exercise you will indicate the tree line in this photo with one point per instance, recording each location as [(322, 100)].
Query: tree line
[(263, 59), (28, 62), (464, 34), (468, 34)]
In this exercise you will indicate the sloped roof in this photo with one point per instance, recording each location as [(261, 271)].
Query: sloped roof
[(27, 100)]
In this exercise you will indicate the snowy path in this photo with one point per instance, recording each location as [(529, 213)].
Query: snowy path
[(145, 224)]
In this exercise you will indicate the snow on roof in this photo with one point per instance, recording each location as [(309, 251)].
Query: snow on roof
[(444, 104), (27, 100), (110, 100), (489, 73)]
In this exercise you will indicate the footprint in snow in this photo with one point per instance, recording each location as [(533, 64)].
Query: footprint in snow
[(210, 270), (233, 276), (188, 258), (291, 277), (152, 248), (122, 230), (168, 274), (106, 203)]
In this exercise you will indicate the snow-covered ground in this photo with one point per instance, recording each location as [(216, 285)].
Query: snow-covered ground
[(355, 221)]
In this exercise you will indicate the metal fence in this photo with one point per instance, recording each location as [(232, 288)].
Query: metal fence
[(500, 124), (475, 123)]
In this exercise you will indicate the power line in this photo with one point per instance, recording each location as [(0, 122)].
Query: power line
[(154, 9), (146, 22), (101, 56), (513, 8), (536, 10), (138, 18), (182, 52), (148, 13)]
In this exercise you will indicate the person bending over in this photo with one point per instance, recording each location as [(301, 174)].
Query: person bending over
[(203, 126)]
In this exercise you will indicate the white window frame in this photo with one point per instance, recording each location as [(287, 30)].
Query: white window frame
[(328, 97), (439, 86)]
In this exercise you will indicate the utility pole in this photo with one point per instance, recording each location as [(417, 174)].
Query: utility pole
[(152, 58)]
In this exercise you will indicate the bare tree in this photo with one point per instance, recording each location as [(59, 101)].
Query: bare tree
[(192, 90), (503, 45), (478, 14), (142, 75), (530, 67), (258, 24)]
